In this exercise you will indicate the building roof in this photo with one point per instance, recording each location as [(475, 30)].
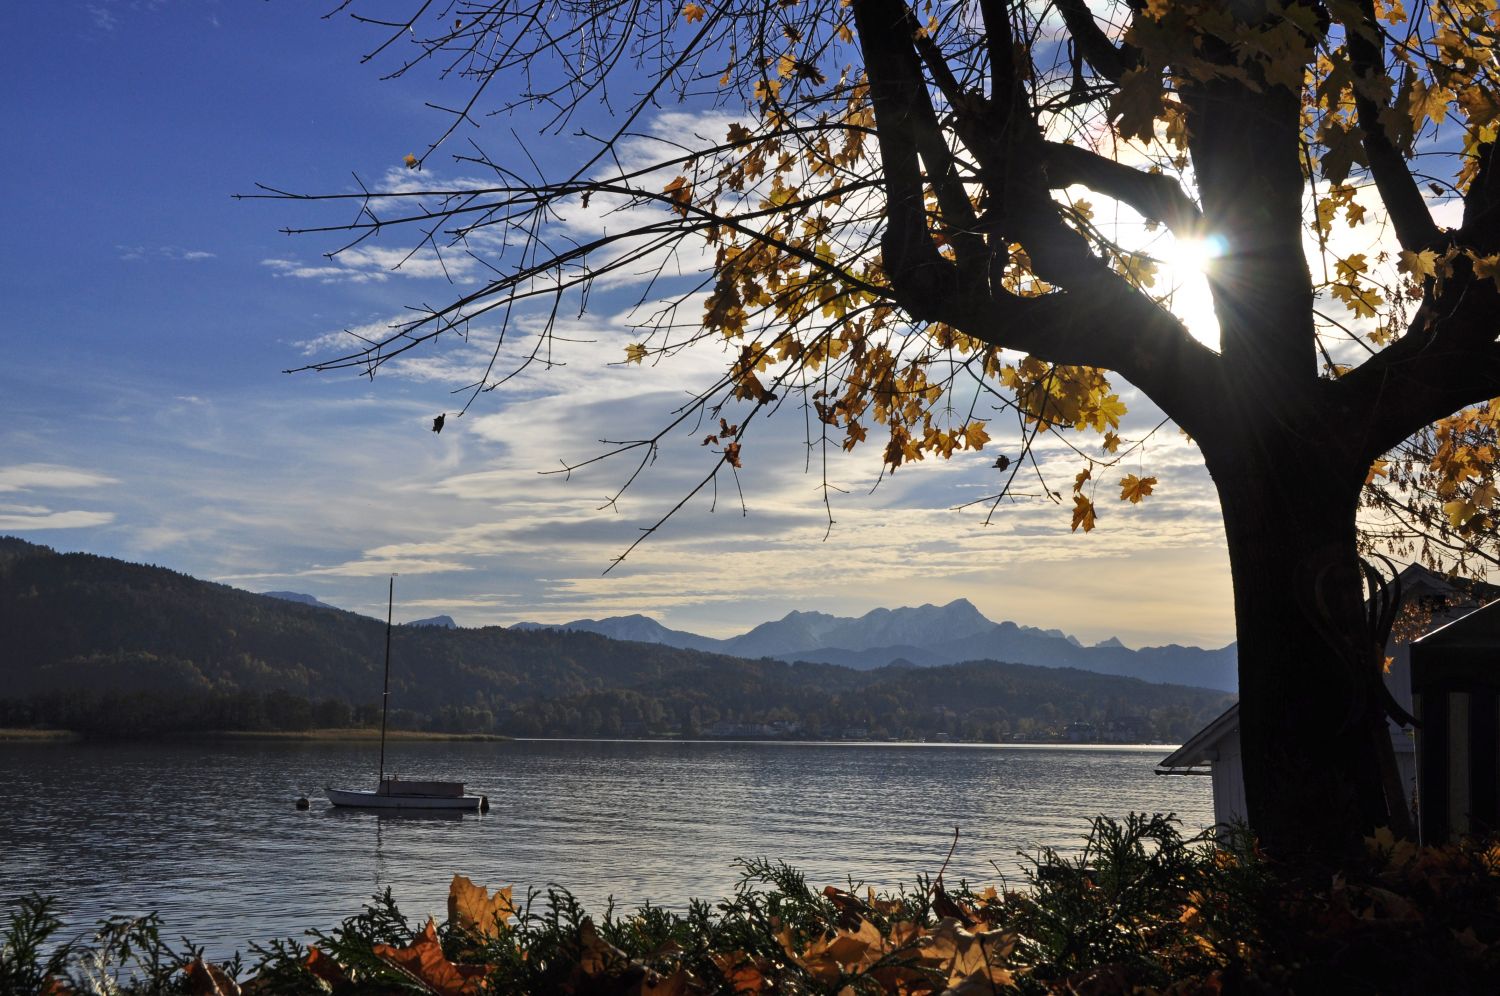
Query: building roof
[(1203, 746), (1482, 626)]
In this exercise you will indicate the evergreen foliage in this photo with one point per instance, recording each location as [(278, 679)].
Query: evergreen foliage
[(1140, 908)]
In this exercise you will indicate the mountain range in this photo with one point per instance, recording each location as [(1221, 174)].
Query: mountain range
[(927, 636), (108, 647)]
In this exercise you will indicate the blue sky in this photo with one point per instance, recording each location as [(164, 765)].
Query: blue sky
[(148, 317)]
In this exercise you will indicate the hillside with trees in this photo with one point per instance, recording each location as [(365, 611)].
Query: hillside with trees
[(105, 646)]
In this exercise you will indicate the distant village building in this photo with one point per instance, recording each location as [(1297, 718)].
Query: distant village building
[(1081, 733), (1430, 604)]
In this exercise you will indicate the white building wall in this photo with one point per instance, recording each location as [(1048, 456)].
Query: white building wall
[(1229, 782)]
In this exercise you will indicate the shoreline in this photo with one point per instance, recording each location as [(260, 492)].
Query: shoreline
[(355, 734), (364, 735), (24, 735)]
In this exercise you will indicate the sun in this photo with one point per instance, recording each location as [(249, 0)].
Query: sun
[(1194, 255), (1184, 266)]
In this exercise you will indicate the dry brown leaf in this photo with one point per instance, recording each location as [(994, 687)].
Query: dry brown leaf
[(425, 964), (472, 908), (207, 979), (740, 971), (325, 968), (597, 956)]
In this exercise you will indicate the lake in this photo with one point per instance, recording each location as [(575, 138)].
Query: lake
[(206, 832)]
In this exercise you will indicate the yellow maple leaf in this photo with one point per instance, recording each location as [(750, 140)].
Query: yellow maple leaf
[(1083, 513), (1363, 301), (1133, 489), (1111, 443), (1426, 102), (1105, 411), (1354, 264), (974, 435), (1459, 511), (767, 89), (635, 353), (1487, 267), (692, 13), (1418, 264), (410, 161)]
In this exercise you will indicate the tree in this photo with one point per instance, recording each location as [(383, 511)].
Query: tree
[(984, 189)]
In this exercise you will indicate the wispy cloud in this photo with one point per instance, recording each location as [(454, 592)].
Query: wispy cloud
[(367, 264), (104, 19), (171, 254), (38, 476), (41, 518)]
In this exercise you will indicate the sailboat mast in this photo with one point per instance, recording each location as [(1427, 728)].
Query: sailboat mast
[(385, 695)]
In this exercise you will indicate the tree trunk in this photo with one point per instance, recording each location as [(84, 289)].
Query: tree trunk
[(1311, 719)]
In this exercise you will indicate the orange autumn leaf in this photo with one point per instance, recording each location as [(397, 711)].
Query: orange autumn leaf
[(692, 13), (324, 967), (1133, 489), (740, 972), (472, 908), (1083, 513), (681, 192), (425, 964)]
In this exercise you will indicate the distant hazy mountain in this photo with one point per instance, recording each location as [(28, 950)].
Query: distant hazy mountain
[(297, 596), (638, 628), (442, 622), (928, 636)]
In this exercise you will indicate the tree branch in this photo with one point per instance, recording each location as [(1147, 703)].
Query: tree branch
[(906, 127), (1106, 58), (1106, 323), (1481, 225), (1154, 195), (1446, 361), (1410, 218)]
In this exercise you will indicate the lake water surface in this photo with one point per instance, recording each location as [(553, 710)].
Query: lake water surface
[(206, 833)]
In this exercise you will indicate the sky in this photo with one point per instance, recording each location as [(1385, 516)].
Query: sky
[(149, 316)]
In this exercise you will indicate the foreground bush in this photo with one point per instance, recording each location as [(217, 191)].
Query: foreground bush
[(1140, 909)]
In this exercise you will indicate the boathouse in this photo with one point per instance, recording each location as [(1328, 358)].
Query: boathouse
[(1455, 677), (1431, 603)]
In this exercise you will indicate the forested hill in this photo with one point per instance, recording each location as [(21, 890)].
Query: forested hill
[(97, 643)]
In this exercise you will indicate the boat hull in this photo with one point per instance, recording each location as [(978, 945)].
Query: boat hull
[(375, 800)]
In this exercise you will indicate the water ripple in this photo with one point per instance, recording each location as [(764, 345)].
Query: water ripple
[(207, 835)]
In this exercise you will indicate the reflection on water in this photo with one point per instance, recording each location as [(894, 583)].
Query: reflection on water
[(208, 835)]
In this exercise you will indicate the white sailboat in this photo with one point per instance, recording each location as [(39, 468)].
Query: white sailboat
[(393, 792)]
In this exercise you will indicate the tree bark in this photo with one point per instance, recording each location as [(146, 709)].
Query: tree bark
[(1311, 718)]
